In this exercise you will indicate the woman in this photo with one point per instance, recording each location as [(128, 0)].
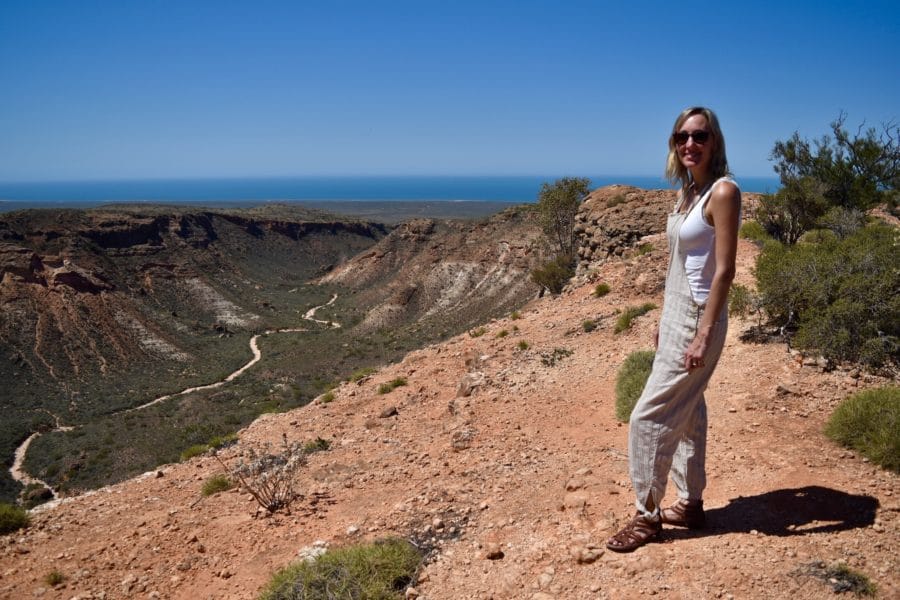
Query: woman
[(668, 423)]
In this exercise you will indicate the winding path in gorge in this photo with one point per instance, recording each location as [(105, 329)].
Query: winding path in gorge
[(17, 471)]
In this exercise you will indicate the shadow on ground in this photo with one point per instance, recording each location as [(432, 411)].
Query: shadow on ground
[(799, 511)]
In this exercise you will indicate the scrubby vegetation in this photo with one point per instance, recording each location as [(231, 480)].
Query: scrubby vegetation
[(624, 321), (840, 297), (477, 332), (832, 181), (752, 230), (554, 275), (643, 249), (630, 381), (549, 359), (557, 206), (390, 386), (380, 570), (522, 345), (601, 289), (826, 276), (361, 373), (869, 422), (12, 518), (270, 477), (54, 578), (215, 484), (502, 333), (588, 325)]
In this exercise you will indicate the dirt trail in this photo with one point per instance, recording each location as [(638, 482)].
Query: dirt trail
[(17, 470), (531, 463)]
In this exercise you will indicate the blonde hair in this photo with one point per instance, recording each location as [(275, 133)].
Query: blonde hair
[(718, 166)]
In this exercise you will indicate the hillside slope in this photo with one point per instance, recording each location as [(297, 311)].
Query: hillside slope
[(530, 462)]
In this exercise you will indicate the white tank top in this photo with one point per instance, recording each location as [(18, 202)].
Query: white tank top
[(697, 241)]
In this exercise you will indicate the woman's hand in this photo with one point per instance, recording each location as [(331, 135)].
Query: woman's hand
[(695, 354)]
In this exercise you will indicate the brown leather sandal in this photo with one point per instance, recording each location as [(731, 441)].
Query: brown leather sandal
[(685, 513), (638, 532)]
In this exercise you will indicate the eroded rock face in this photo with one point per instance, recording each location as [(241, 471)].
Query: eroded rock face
[(447, 271), (615, 217)]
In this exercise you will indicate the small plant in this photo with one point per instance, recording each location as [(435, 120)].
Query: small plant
[(554, 275), (869, 422), (12, 518), (616, 200), (480, 331), (514, 315), (317, 445), (630, 381), (752, 230), (589, 325), (221, 441), (54, 578), (550, 359), (522, 345), (631, 313), (192, 451), (502, 333), (361, 373), (216, 484), (841, 578), (390, 386), (327, 397), (601, 289), (643, 249), (380, 570), (269, 477)]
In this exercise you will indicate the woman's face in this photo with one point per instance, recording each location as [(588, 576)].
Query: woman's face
[(695, 155)]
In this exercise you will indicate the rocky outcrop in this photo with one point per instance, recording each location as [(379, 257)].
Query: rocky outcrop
[(451, 271), (613, 218)]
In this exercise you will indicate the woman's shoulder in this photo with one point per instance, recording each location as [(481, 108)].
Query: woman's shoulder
[(727, 188)]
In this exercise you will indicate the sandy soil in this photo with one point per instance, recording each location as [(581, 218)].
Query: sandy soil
[(531, 464)]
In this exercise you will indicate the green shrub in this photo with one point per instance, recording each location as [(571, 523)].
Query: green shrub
[(192, 451), (216, 484), (390, 386), (601, 290), (522, 345), (841, 295), (327, 397), (12, 518), (752, 230), (361, 373), (630, 381), (54, 578), (478, 332), (220, 441), (515, 315), (631, 313), (643, 249), (869, 422), (317, 445), (502, 333), (554, 275), (589, 325), (375, 571)]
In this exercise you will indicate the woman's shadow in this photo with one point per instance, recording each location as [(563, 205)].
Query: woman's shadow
[(800, 511)]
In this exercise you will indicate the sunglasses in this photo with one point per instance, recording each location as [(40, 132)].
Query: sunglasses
[(681, 137)]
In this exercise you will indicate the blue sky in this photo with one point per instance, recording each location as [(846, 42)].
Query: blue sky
[(156, 89)]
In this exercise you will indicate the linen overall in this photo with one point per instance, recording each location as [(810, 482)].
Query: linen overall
[(668, 423)]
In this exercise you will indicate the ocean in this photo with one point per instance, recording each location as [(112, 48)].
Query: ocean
[(18, 195)]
